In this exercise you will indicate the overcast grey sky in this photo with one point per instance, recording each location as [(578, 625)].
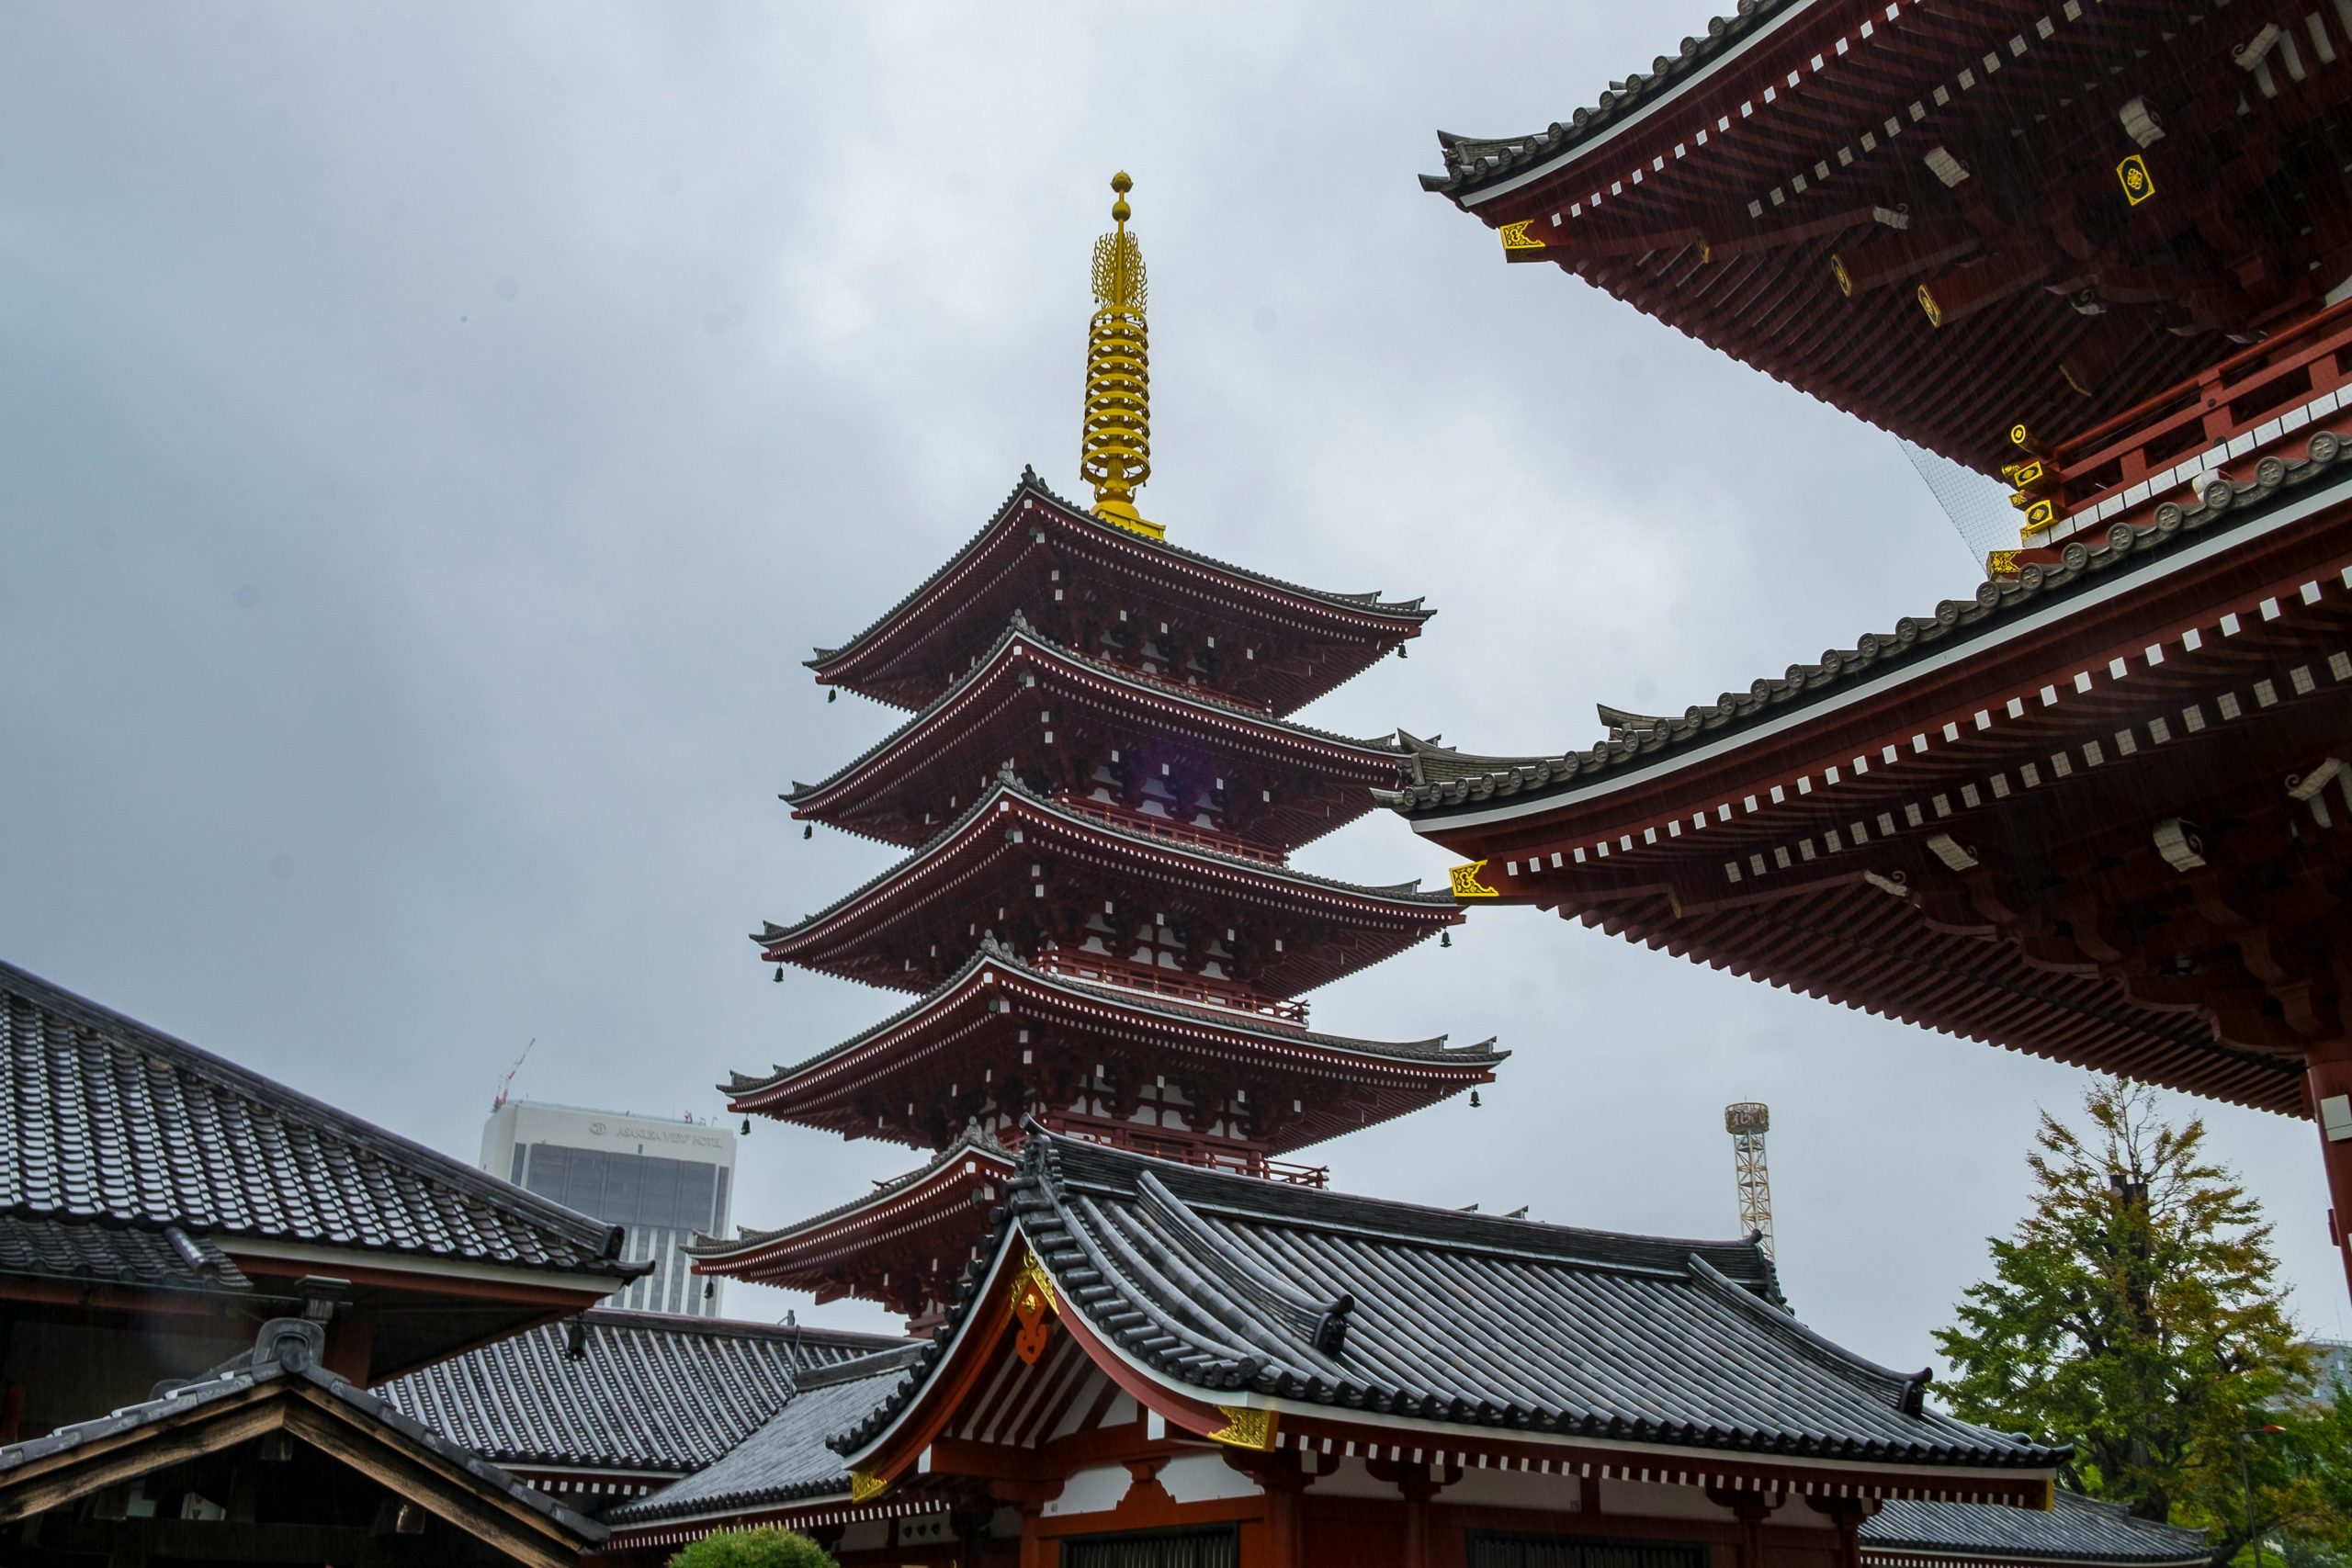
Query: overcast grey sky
[(431, 436)]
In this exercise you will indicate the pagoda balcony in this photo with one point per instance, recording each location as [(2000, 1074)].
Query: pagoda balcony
[(1041, 875), (1175, 984), (1207, 1153), (1171, 832), (2242, 420)]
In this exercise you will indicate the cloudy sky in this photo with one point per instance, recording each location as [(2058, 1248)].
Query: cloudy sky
[(431, 436)]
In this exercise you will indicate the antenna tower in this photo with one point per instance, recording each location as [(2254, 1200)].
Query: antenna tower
[(1747, 1122)]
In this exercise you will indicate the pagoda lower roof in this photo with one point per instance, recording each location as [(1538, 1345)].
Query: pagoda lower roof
[(976, 865), (1026, 556), (1009, 704), (1988, 823), (938, 1208), (976, 1017), (2117, 589)]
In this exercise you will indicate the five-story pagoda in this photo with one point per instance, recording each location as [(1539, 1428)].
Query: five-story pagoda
[(1101, 788)]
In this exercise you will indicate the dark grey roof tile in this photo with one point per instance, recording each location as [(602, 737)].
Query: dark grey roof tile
[(2077, 1530), (1444, 779), (104, 1120), (644, 1391), (791, 1457)]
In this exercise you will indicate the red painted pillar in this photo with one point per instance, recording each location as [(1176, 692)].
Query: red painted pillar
[(2328, 1082)]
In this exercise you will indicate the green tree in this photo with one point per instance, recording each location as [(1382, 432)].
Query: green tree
[(753, 1548), (2136, 1315)]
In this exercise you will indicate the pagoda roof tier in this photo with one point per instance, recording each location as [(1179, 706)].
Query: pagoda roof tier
[(1029, 694), (953, 1053), (905, 1244), (1257, 639), (2093, 814), (1949, 221), (1015, 862)]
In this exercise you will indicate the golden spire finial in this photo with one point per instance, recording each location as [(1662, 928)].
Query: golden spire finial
[(1114, 444)]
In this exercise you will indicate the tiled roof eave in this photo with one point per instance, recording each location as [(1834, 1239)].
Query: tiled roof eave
[(389, 1194), (996, 663), (1475, 164), (1410, 895), (1839, 679), (746, 1093), (938, 1174)]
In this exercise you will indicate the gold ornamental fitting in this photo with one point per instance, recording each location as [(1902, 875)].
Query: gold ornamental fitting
[(1115, 438)]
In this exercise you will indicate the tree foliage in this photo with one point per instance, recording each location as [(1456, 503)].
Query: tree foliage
[(2136, 1316), (753, 1548)]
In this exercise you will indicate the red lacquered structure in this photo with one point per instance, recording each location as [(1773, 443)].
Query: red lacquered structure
[(1098, 790), (2097, 808)]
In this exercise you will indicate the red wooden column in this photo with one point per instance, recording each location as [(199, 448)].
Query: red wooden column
[(1282, 1477), (2327, 1078)]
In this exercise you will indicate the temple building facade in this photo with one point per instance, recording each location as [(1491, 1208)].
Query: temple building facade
[(2094, 808), (1099, 791)]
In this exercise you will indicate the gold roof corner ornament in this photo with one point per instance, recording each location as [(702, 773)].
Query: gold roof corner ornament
[(865, 1485), (1246, 1426), (1467, 884), (1114, 444)]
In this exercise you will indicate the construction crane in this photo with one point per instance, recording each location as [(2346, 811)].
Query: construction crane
[(1747, 1122), (507, 1082)]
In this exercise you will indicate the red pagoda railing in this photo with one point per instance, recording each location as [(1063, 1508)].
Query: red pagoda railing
[(1177, 985), (1161, 1144), (2263, 400), (1174, 833)]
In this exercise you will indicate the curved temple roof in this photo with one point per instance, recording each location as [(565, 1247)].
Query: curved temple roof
[(788, 1458), (1912, 211), (621, 1390), (106, 1122), (1219, 1284)]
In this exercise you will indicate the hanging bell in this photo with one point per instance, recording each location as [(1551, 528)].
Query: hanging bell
[(809, 829), (832, 696), (1474, 1102), (1444, 939), (747, 1127), (779, 974), (1401, 653), (709, 1289)]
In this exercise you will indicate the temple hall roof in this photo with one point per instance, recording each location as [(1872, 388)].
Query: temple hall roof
[(789, 1458), (1219, 1284), (2075, 1530), (283, 1366), (165, 1258), (621, 1390), (108, 1124)]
